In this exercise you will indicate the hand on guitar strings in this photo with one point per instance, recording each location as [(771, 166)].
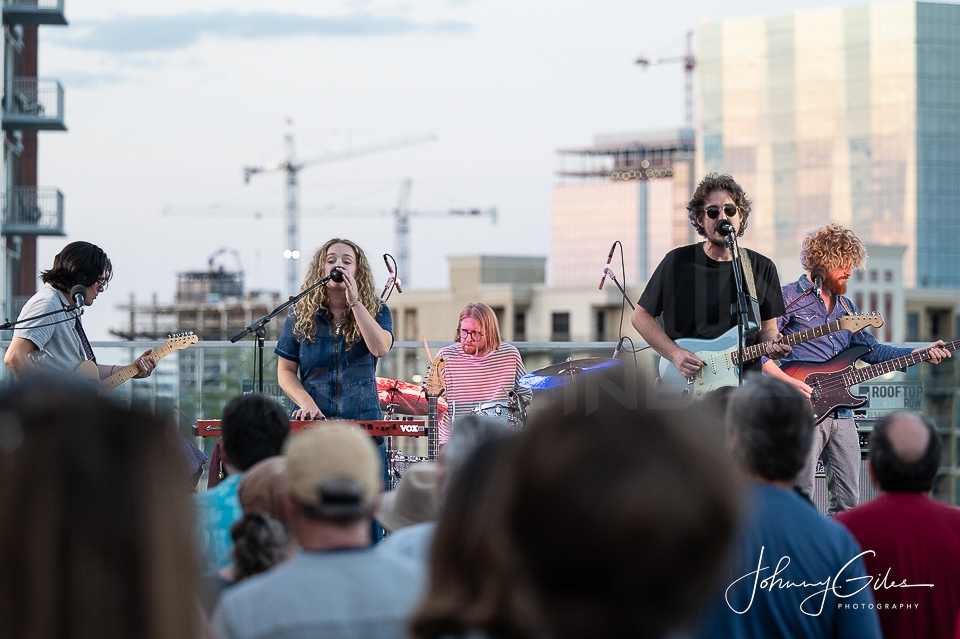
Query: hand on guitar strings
[(687, 362), (776, 348), (146, 364), (937, 352)]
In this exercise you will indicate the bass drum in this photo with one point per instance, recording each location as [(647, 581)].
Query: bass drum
[(505, 410)]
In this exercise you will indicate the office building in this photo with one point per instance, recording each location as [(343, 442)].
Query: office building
[(850, 115), (631, 187)]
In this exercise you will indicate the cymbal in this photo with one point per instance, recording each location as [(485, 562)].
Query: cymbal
[(410, 398), (557, 375)]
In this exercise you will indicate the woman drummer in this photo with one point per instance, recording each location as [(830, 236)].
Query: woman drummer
[(330, 342)]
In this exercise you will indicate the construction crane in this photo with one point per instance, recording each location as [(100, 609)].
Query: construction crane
[(220, 251), (689, 64), (292, 167), (401, 229)]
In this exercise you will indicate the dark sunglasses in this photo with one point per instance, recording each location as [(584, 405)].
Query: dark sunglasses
[(713, 212)]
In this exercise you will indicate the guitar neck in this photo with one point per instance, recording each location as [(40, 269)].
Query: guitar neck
[(131, 371), (759, 350), (433, 430), (876, 370)]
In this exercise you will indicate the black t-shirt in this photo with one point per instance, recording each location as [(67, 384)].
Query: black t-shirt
[(694, 293)]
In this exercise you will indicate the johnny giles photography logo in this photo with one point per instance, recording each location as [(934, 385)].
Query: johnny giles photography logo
[(842, 585)]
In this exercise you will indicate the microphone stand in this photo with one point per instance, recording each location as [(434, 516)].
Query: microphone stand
[(743, 317), (609, 273), (259, 327), (73, 307)]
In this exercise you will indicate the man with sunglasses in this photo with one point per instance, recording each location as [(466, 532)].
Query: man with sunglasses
[(692, 293), (57, 342), (479, 368)]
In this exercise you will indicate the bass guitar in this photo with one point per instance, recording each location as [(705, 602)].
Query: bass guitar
[(721, 356), (434, 387), (832, 380), (176, 342)]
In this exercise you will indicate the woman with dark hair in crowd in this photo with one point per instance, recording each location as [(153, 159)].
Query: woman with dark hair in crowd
[(261, 537), (330, 342), (96, 536)]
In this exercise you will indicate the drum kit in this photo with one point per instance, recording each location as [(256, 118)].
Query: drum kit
[(403, 398)]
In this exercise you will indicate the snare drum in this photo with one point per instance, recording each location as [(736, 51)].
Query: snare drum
[(502, 409)]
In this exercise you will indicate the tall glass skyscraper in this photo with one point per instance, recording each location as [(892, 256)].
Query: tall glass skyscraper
[(847, 115)]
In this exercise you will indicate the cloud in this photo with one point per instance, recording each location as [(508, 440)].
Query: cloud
[(164, 33)]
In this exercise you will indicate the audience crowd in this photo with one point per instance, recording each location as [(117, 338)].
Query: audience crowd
[(601, 518)]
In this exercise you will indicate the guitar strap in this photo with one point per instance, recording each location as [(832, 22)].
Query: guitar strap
[(844, 304), (87, 350), (751, 287)]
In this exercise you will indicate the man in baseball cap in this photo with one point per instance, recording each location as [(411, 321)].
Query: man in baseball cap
[(333, 489)]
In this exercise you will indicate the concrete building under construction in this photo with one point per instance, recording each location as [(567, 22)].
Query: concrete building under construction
[(210, 303), (631, 187)]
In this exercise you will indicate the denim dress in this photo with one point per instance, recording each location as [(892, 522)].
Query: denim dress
[(340, 378)]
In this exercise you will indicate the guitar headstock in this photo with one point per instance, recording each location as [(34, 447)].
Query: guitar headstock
[(180, 341), (854, 323), (433, 385)]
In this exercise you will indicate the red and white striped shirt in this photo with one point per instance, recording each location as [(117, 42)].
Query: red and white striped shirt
[(471, 379)]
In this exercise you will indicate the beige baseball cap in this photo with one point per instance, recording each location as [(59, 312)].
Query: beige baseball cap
[(334, 468)]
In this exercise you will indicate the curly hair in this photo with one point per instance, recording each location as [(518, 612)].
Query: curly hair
[(830, 247), (716, 182), (259, 543), (306, 310)]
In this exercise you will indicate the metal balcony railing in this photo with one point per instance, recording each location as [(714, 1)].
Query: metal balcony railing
[(33, 104), (28, 210), (33, 12)]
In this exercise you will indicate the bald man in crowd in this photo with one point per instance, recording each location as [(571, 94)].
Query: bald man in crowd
[(911, 541)]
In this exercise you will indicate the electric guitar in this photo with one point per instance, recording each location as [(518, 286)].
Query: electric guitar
[(434, 387), (721, 355), (176, 342), (832, 379)]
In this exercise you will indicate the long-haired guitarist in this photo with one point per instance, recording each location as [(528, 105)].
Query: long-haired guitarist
[(837, 251), (692, 290), (57, 342)]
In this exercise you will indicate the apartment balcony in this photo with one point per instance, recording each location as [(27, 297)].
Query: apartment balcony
[(28, 210), (34, 104), (33, 12)]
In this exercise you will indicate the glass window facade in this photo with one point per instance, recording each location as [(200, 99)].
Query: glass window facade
[(846, 115)]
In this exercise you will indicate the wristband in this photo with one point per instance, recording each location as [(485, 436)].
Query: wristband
[(354, 304)]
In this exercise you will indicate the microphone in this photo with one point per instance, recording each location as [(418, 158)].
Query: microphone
[(725, 228), (817, 275), (336, 275), (77, 294), (609, 259), (393, 276), (616, 351)]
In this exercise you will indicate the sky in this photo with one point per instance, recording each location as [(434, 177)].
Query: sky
[(167, 102)]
